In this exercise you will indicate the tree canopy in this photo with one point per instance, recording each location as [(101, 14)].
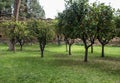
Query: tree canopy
[(42, 31), (87, 22)]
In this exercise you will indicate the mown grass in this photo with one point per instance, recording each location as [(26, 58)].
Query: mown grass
[(57, 66)]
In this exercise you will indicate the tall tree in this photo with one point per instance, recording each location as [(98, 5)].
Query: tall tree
[(87, 29), (106, 25), (16, 8), (79, 20), (66, 27), (71, 18), (6, 7), (23, 8), (31, 9), (35, 9), (16, 14)]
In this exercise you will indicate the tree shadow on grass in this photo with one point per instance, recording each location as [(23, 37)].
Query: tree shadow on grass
[(100, 65), (108, 66), (108, 56)]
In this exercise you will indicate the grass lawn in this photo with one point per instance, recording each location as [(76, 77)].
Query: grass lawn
[(57, 66)]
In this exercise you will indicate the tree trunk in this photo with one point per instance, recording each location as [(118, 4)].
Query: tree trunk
[(69, 49), (16, 14), (102, 50), (13, 42), (92, 49), (86, 54), (31, 42), (42, 50), (42, 46), (21, 42), (12, 45), (66, 47), (42, 53), (58, 40), (21, 46), (16, 8)]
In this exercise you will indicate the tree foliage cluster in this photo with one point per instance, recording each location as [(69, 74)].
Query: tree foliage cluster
[(25, 30), (16, 30), (87, 22), (79, 20), (28, 8), (42, 31)]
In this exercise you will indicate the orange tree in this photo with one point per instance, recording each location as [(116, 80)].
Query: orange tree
[(79, 20), (42, 31), (19, 33), (106, 25)]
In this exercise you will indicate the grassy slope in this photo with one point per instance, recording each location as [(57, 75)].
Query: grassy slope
[(58, 67)]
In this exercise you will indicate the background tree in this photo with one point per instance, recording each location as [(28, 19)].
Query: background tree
[(21, 33), (106, 25), (88, 28), (35, 9), (31, 9), (28, 8), (58, 29), (66, 27), (16, 14), (58, 33), (6, 8), (117, 22), (17, 4), (71, 18), (23, 8), (42, 31)]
